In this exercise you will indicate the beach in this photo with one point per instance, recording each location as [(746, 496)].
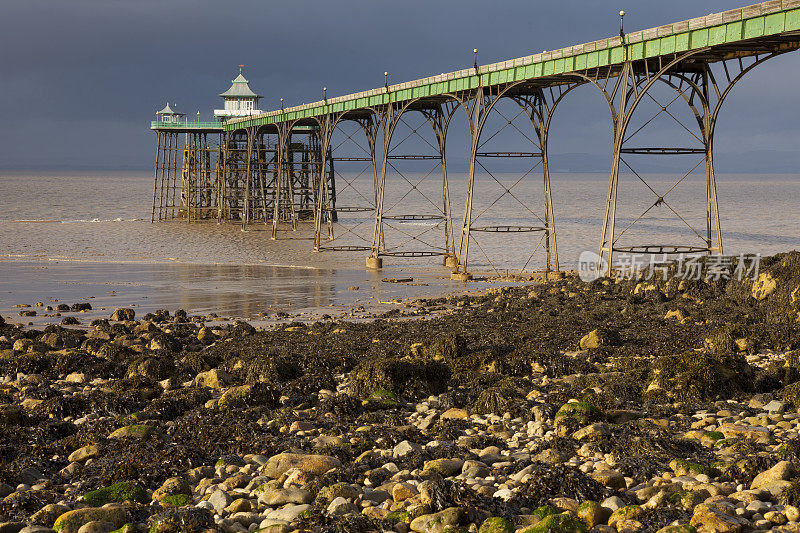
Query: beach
[(616, 405)]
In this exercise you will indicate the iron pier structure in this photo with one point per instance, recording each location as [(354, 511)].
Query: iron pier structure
[(327, 162)]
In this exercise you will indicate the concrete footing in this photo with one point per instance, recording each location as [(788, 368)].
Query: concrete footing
[(450, 261), (374, 263), (461, 276)]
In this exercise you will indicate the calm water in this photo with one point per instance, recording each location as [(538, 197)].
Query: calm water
[(74, 235)]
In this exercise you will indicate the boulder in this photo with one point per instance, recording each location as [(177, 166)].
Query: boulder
[(444, 467), (47, 515), (171, 487), (439, 522), (598, 338), (708, 519), (124, 491), (123, 314), (213, 379), (72, 521), (783, 471), (314, 464), (136, 431)]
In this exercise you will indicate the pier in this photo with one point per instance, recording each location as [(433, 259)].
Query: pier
[(325, 164)]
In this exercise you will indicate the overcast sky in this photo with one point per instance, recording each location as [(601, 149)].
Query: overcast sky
[(81, 79)]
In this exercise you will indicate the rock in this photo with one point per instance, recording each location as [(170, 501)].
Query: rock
[(610, 478), (439, 522), (339, 506), (47, 515), (599, 337), (22, 345), (288, 513), (181, 520), (685, 468), (36, 529), (11, 527), (374, 374), (124, 491), (676, 314), (71, 521), (77, 308), (403, 491), (97, 527), (84, 454), (677, 529), (123, 314), (763, 286), (313, 464), (552, 456), (172, 487), (301, 425), (235, 397), (630, 512), (444, 467), (330, 493), (707, 519), (783, 471), (214, 379), (592, 432), (613, 503), (77, 378), (455, 413), (206, 335), (280, 497), (776, 406), (404, 448), (220, 500), (561, 523), (240, 505), (496, 524), (592, 514), (136, 431), (776, 488), (574, 415), (741, 430)]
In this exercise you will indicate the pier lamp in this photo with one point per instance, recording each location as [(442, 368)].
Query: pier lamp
[(281, 105), (325, 94), (475, 52), (621, 31), (386, 80)]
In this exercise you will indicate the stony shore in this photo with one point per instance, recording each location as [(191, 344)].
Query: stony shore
[(650, 405)]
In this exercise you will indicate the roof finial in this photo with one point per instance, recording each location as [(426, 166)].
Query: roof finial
[(240, 68)]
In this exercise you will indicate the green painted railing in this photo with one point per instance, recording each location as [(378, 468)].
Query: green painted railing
[(767, 18), (160, 124)]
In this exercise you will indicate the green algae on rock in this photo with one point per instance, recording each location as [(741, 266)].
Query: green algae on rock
[(71, 521), (136, 431), (124, 491), (558, 523)]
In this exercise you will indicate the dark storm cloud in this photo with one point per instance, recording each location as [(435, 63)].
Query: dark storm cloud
[(80, 79)]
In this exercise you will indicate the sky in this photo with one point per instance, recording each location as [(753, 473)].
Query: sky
[(81, 79)]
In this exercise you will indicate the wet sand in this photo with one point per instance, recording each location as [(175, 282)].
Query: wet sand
[(234, 291)]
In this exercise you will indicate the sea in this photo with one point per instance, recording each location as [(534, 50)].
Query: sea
[(88, 237)]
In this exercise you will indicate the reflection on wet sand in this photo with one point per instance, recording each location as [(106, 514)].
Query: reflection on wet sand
[(229, 290), (243, 290)]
